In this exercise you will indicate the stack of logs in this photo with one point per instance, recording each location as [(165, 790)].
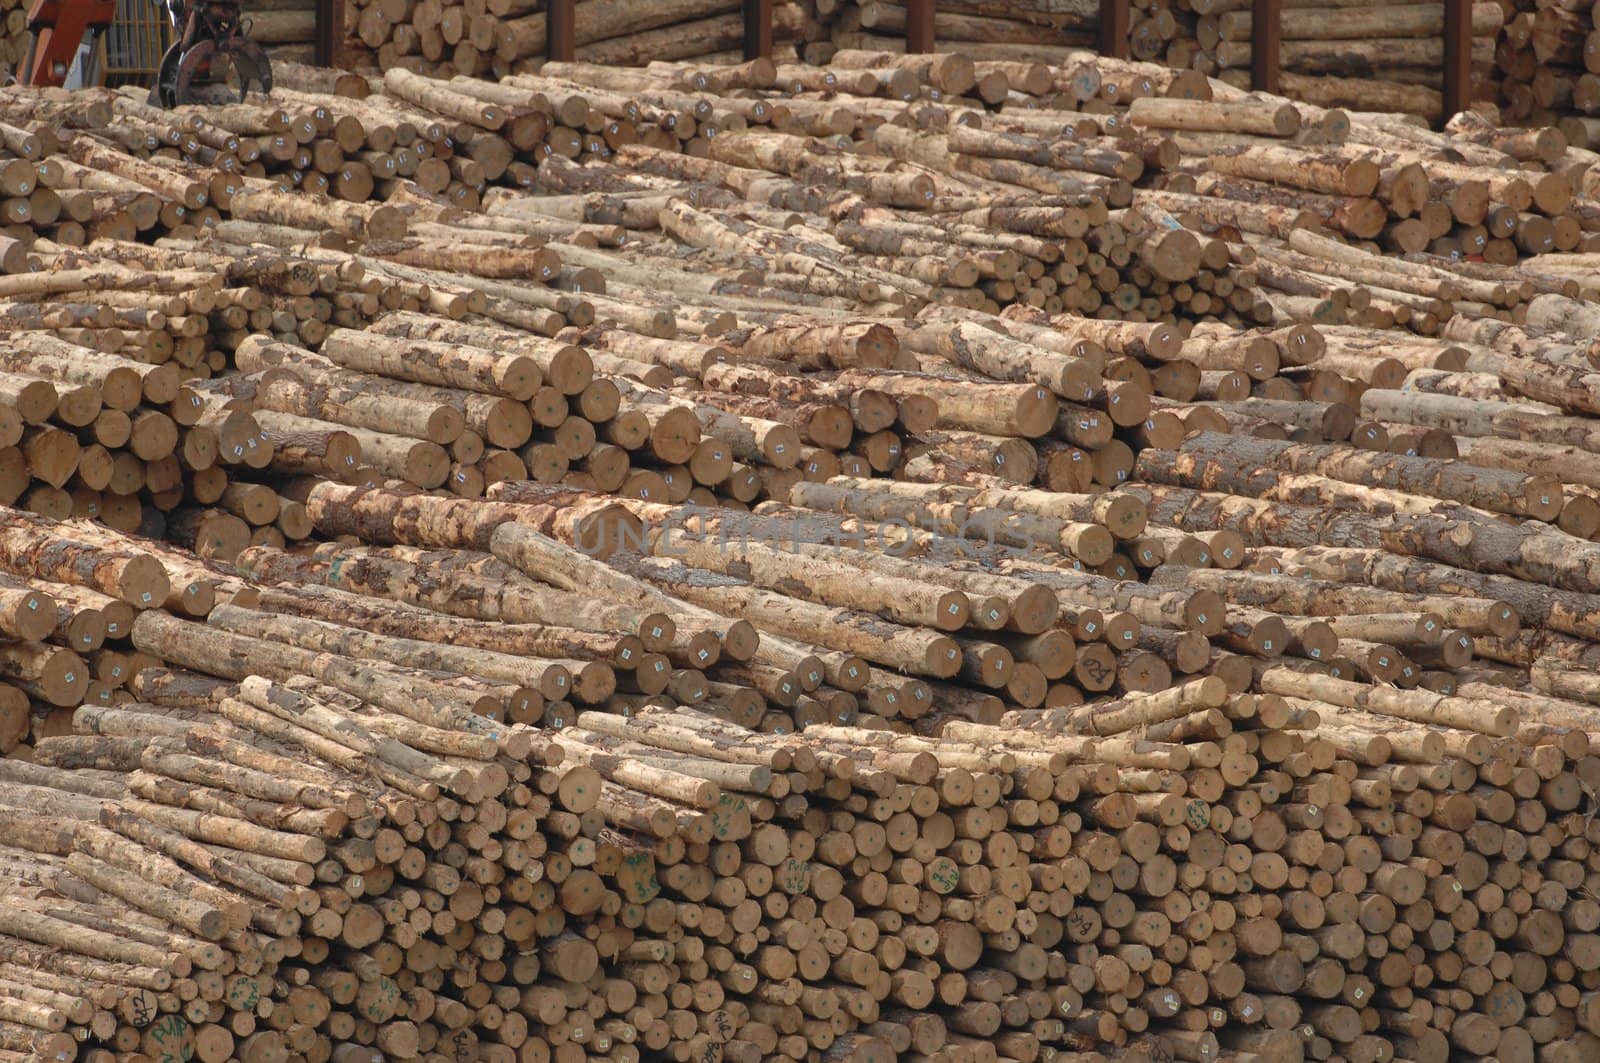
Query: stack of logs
[(1261, 265), (1360, 55), (1547, 67), (104, 349), (363, 843), (1026, 31), (450, 37), (1536, 60), (507, 134), (97, 419), (287, 29), (13, 34), (1091, 381), (1533, 59), (1279, 749)]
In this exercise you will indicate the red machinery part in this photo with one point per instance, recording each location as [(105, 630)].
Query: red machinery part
[(58, 28)]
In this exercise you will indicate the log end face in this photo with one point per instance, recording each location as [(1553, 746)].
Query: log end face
[(1504, 722), (445, 425), (781, 447), (1270, 636), (1542, 498), (1504, 621), (877, 348), (516, 744), (1210, 692), (55, 1046), (740, 640), (1093, 545), (594, 682), (385, 223), (952, 611), (1036, 413), (1552, 193), (942, 659), (1205, 612), (1175, 255), (1286, 120), (952, 74), (519, 377), (427, 465), (212, 924), (1318, 641), (33, 617), (1165, 342), (1034, 611), (143, 583), (1124, 516), (1361, 177), (579, 790), (918, 413)]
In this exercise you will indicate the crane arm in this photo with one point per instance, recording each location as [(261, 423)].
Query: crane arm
[(58, 28)]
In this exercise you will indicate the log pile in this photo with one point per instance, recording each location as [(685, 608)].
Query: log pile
[(446, 38), (287, 29), (1031, 31), (13, 34), (99, 419), (1532, 60), (1543, 62), (897, 205), (755, 616), (1198, 870), (1365, 56), (505, 134), (1353, 192), (1033, 263), (107, 349)]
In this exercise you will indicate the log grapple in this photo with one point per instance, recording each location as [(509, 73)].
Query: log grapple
[(210, 36)]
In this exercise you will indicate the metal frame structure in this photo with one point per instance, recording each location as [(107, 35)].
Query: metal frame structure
[(1266, 35)]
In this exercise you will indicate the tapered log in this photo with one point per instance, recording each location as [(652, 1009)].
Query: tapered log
[(381, 516), (919, 652), (550, 678), (1504, 492), (1263, 118), (260, 201)]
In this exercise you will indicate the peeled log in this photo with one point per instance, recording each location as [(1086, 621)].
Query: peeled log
[(1263, 117), (596, 525)]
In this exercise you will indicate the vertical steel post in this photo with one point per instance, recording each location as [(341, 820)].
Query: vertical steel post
[(560, 43), (919, 25), (1114, 21), (330, 32), (1457, 57), (757, 29), (1266, 30)]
